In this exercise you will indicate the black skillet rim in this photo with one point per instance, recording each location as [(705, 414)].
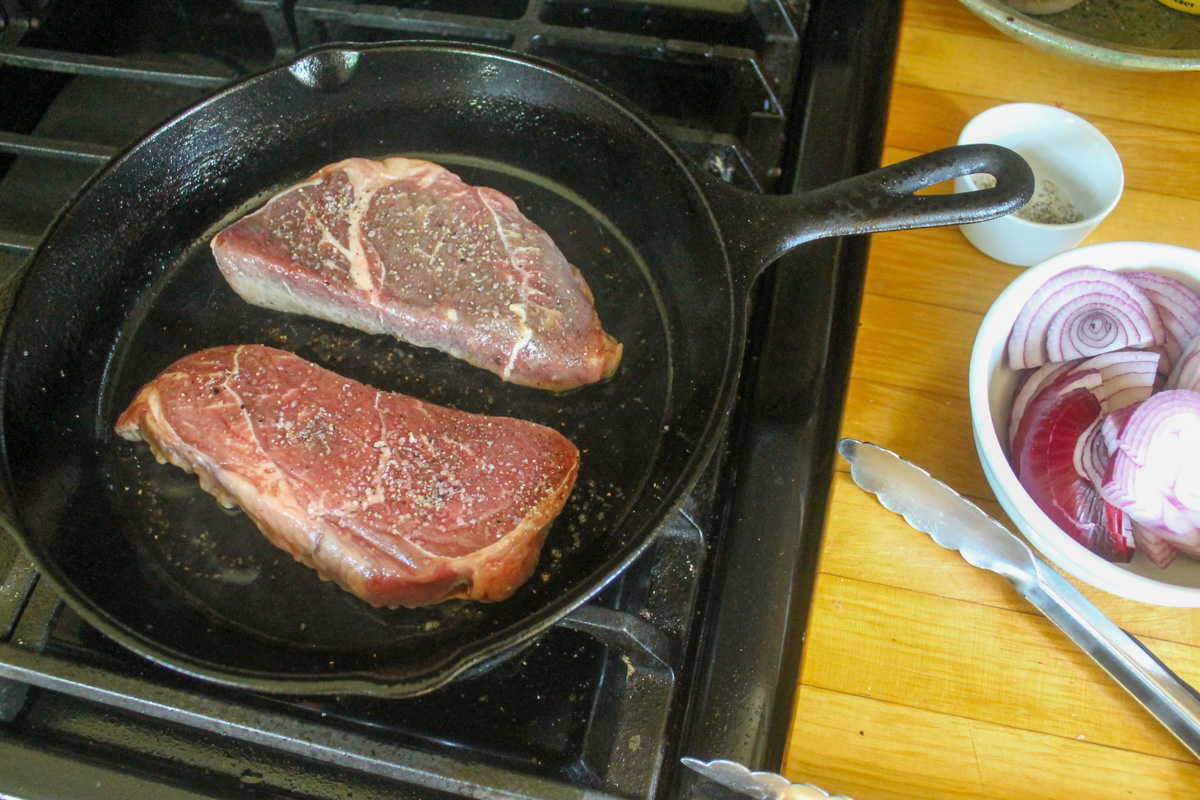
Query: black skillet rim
[(494, 647)]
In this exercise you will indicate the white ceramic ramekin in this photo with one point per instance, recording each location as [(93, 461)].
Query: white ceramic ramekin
[(1071, 160)]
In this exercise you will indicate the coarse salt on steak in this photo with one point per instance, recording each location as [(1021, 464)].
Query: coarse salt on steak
[(405, 247), (400, 502)]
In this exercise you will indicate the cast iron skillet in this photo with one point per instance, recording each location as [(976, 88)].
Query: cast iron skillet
[(124, 284)]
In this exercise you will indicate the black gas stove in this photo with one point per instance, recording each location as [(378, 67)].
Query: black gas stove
[(695, 649)]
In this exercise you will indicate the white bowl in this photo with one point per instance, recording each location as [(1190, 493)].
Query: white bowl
[(991, 384), (1064, 151)]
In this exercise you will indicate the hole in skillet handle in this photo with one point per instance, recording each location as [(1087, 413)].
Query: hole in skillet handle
[(758, 229)]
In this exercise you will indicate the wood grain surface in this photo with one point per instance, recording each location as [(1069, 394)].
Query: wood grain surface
[(924, 677)]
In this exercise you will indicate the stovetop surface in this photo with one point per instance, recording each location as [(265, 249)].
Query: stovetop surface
[(772, 97)]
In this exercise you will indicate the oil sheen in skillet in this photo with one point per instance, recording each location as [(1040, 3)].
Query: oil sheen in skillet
[(216, 563)]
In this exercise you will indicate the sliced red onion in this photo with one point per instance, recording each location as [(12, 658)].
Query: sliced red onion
[(1160, 548), (1088, 380), (1093, 324), (1127, 377), (1092, 454), (1165, 364), (1032, 383), (1155, 546), (1154, 473), (1082, 312), (1186, 373), (1178, 306), (1113, 424), (1188, 545), (1050, 433)]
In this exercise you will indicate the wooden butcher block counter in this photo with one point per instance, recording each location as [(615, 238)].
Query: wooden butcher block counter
[(924, 677)]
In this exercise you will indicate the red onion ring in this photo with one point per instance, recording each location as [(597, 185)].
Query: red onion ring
[(1031, 384), (1048, 447), (1113, 425), (1155, 547), (1042, 404), (1178, 306), (1186, 373), (1127, 377), (1081, 312), (1154, 473), (1092, 454)]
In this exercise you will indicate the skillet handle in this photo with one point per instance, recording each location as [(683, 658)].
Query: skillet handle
[(758, 229)]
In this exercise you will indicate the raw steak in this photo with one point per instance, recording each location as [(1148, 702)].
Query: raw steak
[(398, 501), (404, 247)]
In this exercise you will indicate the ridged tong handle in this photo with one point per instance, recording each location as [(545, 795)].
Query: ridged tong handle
[(759, 785), (955, 523)]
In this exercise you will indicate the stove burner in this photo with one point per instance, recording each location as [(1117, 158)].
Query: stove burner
[(607, 675), (718, 80), (692, 651)]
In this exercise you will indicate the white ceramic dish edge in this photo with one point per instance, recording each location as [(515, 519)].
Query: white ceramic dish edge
[(990, 388), (1044, 36)]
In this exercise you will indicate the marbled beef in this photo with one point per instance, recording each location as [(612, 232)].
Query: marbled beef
[(398, 501), (405, 247)]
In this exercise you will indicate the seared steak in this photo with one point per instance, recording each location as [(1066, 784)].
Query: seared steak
[(398, 501), (404, 247)]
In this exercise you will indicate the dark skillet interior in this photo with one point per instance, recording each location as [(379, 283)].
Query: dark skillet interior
[(125, 285)]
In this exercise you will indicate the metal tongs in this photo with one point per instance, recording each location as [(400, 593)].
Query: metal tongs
[(759, 785), (956, 523)]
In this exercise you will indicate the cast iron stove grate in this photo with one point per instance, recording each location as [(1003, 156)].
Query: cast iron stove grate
[(769, 95)]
